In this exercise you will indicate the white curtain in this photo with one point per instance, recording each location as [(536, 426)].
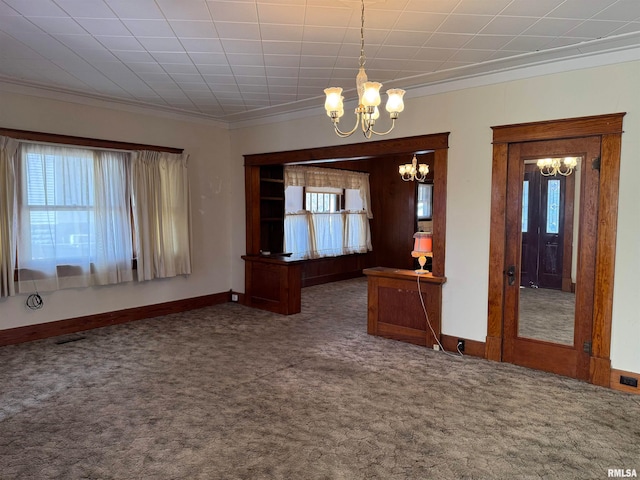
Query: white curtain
[(328, 234), (75, 226), (160, 187), (357, 234), (314, 235), (114, 248), (298, 175), (8, 214), (297, 234)]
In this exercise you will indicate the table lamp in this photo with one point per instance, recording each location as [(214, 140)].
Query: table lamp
[(422, 247)]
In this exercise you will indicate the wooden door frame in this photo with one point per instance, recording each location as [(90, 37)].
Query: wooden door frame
[(609, 128)]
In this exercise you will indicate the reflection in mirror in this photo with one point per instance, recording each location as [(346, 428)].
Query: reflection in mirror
[(424, 212), (550, 206)]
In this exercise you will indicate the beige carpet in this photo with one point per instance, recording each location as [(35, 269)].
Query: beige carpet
[(228, 392)]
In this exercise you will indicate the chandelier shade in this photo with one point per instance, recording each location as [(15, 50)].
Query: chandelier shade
[(550, 167)]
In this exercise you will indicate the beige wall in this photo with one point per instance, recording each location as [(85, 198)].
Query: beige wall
[(217, 181), (469, 114), (208, 147)]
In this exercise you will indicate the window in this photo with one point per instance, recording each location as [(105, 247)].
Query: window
[(321, 202), (425, 203), (80, 212), (326, 212), (525, 206), (74, 217), (553, 206), (58, 220)]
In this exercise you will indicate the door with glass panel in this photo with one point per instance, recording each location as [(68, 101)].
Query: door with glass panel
[(547, 227), (551, 247)]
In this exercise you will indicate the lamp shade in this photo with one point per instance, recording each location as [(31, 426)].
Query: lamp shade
[(333, 102), (395, 104), (422, 243), (371, 96)]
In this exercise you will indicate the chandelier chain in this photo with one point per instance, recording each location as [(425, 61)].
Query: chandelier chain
[(363, 58)]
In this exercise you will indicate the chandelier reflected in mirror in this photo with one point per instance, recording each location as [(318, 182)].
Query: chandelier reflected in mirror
[(550, 167), (368, 100), (413, 171)]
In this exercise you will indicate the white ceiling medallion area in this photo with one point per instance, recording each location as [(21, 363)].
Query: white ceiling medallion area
[(237, 61)]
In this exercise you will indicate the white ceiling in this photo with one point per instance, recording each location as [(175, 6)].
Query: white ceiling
[(233, 60)]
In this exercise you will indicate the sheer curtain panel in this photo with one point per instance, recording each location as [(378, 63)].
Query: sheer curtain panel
[(160, 187), (74, 218), (8, 214)]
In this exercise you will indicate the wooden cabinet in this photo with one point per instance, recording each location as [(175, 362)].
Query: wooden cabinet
[(272, 283), (394, 307)]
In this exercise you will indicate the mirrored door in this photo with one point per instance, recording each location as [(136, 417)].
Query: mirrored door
[(549, 297)]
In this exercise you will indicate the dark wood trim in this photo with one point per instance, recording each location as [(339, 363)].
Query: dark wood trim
[(439, 213), (252, 208), (606, 244), (609, 127), (333, 277), (82, 141), (600, 371), (615, 381), (472, 348), (497, 237), (408, 145), (559, 129), (63, 327)]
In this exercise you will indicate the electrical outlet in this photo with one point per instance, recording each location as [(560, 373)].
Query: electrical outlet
[(234, 297), (630, 381), (436, 346), (460, 346)]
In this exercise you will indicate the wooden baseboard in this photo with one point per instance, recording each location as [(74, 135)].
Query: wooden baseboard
[(471, 347), (322, 279), (616, 385), (63, 327)]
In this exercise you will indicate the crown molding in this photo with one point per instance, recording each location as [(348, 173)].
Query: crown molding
[(33, 89)]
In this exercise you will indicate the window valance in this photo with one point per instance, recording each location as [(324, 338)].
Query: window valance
[(301, 176)]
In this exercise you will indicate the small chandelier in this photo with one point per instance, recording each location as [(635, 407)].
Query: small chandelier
[(368, 100), (413, 171), (550, 167)]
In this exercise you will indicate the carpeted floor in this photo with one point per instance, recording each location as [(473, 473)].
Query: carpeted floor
[(228, 392)]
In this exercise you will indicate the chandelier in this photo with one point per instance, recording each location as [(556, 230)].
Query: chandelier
[(368, 99), (413, 171), (550, 167)]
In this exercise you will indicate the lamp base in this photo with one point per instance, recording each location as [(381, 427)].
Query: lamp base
[(422, 260)]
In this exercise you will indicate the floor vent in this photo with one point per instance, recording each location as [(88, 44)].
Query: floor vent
[(70, 339)]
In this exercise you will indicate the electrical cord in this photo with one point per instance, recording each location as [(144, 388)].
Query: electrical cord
[(35, 301), (426, 315)]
